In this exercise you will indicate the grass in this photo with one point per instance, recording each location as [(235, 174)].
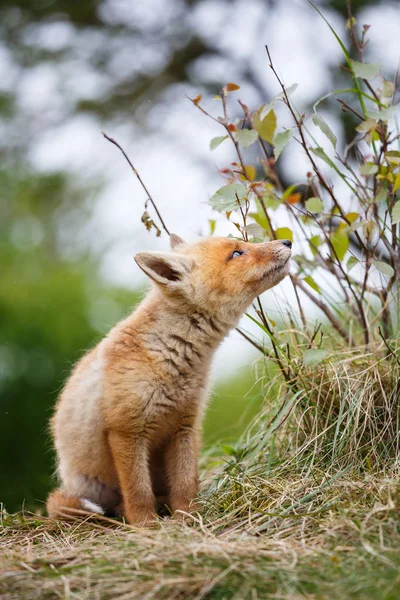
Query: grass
[(305, 505), (349, 549)]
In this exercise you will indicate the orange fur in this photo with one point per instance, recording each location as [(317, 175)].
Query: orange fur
[(127, 424)]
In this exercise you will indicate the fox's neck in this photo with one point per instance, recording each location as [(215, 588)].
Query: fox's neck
[(179, 334)]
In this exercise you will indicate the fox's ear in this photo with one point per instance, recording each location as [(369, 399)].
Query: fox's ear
[(175, 241), (166, 269)]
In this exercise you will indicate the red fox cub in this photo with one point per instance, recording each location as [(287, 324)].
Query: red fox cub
[(127, 424)]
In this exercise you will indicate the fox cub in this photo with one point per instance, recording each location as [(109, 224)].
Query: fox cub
[(127, 425)]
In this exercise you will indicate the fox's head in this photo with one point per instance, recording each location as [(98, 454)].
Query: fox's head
[(217, 275)]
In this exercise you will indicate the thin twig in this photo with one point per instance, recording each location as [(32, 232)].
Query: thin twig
[(110, 139), (347, 107), (390, 351), (322, 306), (253, 342)]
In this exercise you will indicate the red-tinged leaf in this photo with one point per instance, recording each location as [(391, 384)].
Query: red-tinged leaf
[(293, 198), (231, 127), (197, 99), (232, 87)]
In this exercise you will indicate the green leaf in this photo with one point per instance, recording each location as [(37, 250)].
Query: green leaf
[(383, 115), (369, 168), (387, 91), (284, 233), (340, 243), (225, 199), (366, 126), (315, 241), (396, 212), (314, 205), (381, 195), (393, 157), (212, 223), (383, 267), (271, 201), (281, 141), (365, 70), (261, 220), (255, 230), (216, 141), (246, 137), (324, 127), (321, 154), (313, 357), (312, 283), (351, 216), (266, 127), (228, 449), (260, 217), (396, 183), (352, 262)]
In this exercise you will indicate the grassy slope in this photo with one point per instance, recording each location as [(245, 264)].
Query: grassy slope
[(300, 508), (348, 548)]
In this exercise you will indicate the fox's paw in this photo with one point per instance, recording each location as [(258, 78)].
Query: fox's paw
[(140, 519)]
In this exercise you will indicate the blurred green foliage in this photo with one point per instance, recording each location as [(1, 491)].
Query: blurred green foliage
[(52, 307)]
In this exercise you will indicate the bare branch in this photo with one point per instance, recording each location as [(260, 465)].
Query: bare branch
[(110, 139)]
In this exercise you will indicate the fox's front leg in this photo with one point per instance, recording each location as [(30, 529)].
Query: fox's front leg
[(182, 468), (131, 458)]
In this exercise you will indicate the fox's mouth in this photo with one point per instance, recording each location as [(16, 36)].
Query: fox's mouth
[(276, 269), (279, 267)]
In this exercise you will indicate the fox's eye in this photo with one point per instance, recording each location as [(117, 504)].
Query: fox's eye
[(237, 253)]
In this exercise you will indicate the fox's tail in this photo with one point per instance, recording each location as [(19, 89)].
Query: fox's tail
[(62, 506)]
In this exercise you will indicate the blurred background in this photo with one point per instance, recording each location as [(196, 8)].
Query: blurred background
[(70, 209)]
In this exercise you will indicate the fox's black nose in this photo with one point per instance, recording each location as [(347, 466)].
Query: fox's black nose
[(287, 243)]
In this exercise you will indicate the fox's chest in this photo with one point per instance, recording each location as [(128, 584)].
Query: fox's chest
[(166, 410)]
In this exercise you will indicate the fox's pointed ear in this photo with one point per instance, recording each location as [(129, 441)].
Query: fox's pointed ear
[(175, 241), (166, 269)]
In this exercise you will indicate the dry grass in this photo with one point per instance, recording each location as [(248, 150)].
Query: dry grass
[(338, 541), (305, 506)]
